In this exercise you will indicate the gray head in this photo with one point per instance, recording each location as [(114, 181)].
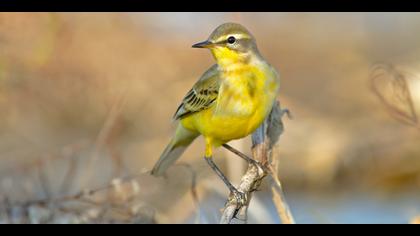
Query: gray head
[(230, 38)]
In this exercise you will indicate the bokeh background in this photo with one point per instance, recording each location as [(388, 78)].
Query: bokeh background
[(86, 101)]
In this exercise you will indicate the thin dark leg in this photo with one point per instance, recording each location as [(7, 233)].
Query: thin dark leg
[(240, 197), (240, 154), (219, 173)]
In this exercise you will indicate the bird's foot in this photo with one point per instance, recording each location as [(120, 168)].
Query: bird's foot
[(257, 164), (240, 197)]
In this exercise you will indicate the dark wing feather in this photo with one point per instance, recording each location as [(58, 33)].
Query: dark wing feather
[(202, 96)]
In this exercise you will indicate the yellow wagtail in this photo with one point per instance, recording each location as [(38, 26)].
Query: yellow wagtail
[(230, 100)]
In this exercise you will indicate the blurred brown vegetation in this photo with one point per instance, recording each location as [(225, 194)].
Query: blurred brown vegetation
[(88, 97)]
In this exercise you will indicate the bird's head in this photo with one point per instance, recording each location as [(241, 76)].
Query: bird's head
[(230, 43)]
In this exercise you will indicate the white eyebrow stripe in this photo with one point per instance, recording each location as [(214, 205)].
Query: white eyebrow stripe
[(237, 36)]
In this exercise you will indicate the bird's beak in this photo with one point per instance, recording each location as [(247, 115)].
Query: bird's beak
[(205, 44)]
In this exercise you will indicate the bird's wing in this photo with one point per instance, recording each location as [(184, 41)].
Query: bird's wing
[(202, 96)]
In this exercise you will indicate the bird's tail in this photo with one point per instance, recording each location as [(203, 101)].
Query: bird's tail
[(182, 139)]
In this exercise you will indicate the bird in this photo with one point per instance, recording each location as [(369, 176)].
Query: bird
[(228, 102)]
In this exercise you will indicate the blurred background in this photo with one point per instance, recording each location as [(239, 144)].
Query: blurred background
[(86, 102)]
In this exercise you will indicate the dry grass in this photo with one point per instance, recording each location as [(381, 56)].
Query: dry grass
[(87, 98)]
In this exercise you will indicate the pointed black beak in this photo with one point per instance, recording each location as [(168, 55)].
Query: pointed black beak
[(205, 44)]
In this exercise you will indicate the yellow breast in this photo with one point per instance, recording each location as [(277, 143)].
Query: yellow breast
[(245, 98)]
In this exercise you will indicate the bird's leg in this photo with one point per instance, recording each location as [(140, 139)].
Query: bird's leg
[(243, 156), (239, 196)]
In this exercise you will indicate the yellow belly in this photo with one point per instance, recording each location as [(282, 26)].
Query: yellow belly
[(223, 128), (237, 113)]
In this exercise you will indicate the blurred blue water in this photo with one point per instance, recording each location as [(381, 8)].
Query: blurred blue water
[(349, 208)]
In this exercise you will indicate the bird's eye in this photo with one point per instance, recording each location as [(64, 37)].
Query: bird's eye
[(231, 40)]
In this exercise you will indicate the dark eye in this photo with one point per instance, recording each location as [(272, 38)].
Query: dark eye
[(231, 40)]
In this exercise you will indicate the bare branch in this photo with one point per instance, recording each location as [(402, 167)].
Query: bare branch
[(391, 87), (263, 140), (105, 132), (279, 199), (194, 193), (249, 182), (69, 176)]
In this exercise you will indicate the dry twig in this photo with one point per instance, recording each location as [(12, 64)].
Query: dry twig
[(391, 87), (83, 207), (105, 133), (263, 139)]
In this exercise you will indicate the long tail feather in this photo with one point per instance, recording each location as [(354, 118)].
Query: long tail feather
[(176, 147)]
